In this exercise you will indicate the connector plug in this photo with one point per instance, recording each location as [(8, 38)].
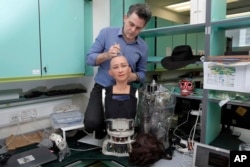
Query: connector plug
[(195, 112)]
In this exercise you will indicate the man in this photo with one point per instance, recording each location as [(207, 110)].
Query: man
[(109, 43)]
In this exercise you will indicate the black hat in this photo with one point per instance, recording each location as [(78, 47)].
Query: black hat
[(181, 56)]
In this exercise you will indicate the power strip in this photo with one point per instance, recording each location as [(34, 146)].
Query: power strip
[(27, 113)]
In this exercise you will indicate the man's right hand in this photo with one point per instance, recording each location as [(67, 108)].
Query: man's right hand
[(113, 51)]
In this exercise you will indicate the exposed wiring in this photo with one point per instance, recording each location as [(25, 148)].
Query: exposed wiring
[(195, 126), (85, 131), (181, 125), (196, 122), (22, 134), (10, 141), (46, 132), (39, 126), (19, 131)]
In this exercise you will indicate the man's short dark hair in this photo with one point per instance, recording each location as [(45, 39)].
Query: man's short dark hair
[(142, 10)]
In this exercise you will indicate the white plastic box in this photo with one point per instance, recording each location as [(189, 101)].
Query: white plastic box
[(66, 119)]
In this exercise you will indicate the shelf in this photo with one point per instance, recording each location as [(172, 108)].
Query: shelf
[(195, 66), (194, 97), (212, 36), (58, 94), (154, 59), (233, 23), (23, 101), (230, 58), (157, 59), (40, 78), (232, 102), (173, 30)]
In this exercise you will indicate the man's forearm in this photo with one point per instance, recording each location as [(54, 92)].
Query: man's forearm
[(102, 57)]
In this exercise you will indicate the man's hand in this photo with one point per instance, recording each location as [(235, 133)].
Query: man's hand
[(113, 51)]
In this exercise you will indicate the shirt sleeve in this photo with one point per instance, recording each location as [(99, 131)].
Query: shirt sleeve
[(141, 65), (96, 48)]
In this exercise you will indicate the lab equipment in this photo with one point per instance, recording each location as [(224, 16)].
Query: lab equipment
[(120, 137), (155, 110)]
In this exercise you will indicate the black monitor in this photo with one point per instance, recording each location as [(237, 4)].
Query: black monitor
[(235, 116)]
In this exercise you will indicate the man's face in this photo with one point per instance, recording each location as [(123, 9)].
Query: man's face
[(132, 26)]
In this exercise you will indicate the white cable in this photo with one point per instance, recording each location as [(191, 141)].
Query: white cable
[(74, 149), (195, 125), (39, 126), (181, 125), (25, 137), (189, 136), (46, 132), (85, 131), (21, 133), (7, 144)]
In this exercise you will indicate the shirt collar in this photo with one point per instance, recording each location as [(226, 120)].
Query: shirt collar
[(121, 35)]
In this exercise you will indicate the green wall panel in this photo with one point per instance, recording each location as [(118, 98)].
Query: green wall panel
[(217, 42), (62, 36), (88, 33), (151, 43), (118, 9), (131, 2), (19, 39), (163, 44), (218, 8), (116, 13), (55, 40), (213, 122)]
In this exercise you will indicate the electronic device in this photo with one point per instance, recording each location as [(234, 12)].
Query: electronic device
[(35, 157), (234, 116), (120, 137), (236, 53), (207, 156)]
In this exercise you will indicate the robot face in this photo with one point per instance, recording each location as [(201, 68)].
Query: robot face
[(186, 86)]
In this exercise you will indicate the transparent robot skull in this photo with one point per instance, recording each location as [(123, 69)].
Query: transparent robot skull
[(120, 133), (186, 87), (155, 110)]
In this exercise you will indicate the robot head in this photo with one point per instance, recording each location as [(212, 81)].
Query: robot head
[(186, 86)]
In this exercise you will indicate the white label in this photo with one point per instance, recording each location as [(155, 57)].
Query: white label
[(168, 51), (25, 160), (35, 72)]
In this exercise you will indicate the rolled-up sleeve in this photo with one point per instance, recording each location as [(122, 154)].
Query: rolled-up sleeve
[(96, 49), (141, 66)]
